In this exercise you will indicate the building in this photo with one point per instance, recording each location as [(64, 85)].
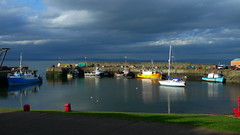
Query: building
[(236, 62)]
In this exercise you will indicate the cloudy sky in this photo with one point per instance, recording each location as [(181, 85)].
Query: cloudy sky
[(207, 30)]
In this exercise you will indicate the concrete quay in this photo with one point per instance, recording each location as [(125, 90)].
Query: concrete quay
[(192, 71)]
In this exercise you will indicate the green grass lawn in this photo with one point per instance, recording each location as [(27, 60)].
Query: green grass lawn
[(219, 122)]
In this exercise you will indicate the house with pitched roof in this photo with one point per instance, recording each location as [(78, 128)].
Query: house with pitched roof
[(236, 62)]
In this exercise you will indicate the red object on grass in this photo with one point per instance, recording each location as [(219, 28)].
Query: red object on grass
[(237, 110), (67, 107), (26, 108)]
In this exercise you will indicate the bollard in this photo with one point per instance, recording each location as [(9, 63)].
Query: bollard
[(236, 112), (26, 108), (238, 103), (67, 107)]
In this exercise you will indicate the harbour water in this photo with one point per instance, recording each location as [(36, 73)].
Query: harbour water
[(119, 94)]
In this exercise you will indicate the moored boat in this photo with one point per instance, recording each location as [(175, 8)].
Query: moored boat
[(121, 74), (149, 74), (23, 77), (19, 77), (96, 72), (214, 77), (172, 81)]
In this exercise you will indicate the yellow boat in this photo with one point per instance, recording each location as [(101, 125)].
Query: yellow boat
[(150, 74)]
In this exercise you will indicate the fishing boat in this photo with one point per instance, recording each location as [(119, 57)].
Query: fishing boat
[(121, 74), (172, 81), (23, 77), (96, 72), (214, 77), (151, 74), (72, 73)]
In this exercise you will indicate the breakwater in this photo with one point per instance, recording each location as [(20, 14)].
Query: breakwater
[(192, 71)]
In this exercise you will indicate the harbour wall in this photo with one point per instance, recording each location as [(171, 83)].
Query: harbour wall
[(192, 71)]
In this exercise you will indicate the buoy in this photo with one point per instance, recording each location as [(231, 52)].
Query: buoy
[(26, 108), (67, 107)]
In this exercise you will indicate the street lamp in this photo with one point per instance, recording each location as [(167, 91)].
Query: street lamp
[(125, 61)]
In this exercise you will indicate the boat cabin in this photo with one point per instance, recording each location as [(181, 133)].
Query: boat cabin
[(213, 75)]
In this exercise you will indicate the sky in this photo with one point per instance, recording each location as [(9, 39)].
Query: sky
[(198, 30)]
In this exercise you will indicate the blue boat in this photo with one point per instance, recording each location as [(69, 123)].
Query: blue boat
[(213, 78), (23, 77)]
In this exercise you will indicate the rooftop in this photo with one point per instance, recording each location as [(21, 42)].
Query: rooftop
[(236, 60)]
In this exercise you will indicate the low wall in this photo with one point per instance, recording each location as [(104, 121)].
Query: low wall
[(180, 69)]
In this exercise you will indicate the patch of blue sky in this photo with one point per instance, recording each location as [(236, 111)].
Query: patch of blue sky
[(36, 5)]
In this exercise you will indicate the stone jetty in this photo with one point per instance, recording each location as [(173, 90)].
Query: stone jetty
[(192, 71)]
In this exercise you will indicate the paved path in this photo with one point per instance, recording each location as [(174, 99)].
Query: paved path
[(43, 123)]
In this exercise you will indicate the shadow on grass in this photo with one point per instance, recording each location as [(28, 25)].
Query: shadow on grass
[(220, 122)]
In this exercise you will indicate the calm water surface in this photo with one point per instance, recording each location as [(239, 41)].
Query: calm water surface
[(119, 94)]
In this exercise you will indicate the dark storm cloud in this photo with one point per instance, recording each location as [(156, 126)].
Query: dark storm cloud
[(138, 29)]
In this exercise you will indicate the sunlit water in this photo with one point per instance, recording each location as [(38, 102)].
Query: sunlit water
[(120, 95)]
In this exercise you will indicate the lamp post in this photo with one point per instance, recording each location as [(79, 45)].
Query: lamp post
[(125, 61)]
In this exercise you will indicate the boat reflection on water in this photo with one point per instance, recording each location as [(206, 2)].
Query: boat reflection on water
[(92, 81), (172, 94), (149, 93), (214, 89), (18, 91), (148, 81), (15, 90), (58, 80)]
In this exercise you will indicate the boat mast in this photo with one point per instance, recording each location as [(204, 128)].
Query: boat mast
[(169, 60), (21, 63), (152, 63), (125, 66)]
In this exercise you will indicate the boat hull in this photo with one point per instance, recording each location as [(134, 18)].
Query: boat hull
[(213, 79), (152, 76), (172, 83), (17, 81)]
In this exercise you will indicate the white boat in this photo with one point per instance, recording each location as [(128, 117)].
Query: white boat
[(174, 82), (96, 72), (86, 74), (121, 74), (23, 77)]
